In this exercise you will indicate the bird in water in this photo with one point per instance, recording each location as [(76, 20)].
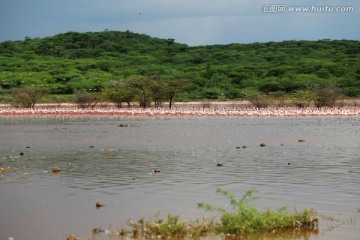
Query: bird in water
[(99, 205)]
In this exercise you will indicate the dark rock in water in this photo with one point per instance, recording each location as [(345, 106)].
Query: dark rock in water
[(301, 140), (91, 146), (55, 170), (262, 144), (97, 231), (127, 125), (289, 163), (220, 165), (241, 147), (27, 147), (99, 205), (21, 154)]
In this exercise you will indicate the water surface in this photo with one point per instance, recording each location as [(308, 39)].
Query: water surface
[(102, 162)]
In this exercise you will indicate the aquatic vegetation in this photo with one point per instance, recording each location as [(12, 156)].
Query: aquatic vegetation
[(243, 220), (246, 219), (171, 227)]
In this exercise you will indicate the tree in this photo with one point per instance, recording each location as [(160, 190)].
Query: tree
[(174, 87), (272, 85), (209, 72), (303, 98), (85, 99), (170, 41), (26, 97), (257, 98), (211, 93), (142, 87), (232, 92), (158, 92), (279, 97), (326, 95), (120, 92)]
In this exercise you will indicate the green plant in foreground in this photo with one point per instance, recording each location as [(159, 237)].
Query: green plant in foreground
[(172, 227), (246, 219), (243, 220)]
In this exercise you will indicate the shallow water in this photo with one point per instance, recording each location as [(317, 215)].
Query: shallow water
[(102, 162)]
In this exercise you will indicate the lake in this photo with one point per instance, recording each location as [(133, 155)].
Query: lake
[(112, 161)]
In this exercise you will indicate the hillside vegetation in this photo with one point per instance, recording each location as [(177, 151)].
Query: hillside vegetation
[(124, 65)]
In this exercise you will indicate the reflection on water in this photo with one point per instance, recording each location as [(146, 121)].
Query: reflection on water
[(293, 235), (101, 161), (283, 235)]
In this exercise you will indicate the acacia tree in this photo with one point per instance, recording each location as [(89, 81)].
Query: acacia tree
[(85, 99), (158, 92), (26, 97), (303, 98), (257, 98), (326, 95), (128, 95), (142, 87), (173, 87), (120, 92), (145, 89)]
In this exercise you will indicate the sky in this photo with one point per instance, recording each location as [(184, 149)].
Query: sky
[(192, 22)]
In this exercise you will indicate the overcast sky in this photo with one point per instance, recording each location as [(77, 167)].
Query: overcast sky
[(193, 22)]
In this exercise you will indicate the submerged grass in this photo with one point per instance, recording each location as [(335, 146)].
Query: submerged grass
[(171, 227)]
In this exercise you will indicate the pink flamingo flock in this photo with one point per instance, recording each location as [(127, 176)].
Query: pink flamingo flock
[(183, 111)]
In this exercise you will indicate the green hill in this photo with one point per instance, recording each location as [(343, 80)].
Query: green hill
[(93, 61)]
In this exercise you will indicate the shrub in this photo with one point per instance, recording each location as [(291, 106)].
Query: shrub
[(243, 220), (246, 219), (326, 95), (257, 98), (26, 97), (85, 99), (303, 98)]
